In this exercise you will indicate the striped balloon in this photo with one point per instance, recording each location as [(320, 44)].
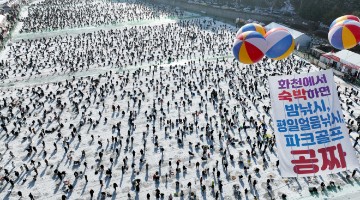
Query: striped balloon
[(345, 34), (249, 47), (251, 27), (343, 18), (280, 43)]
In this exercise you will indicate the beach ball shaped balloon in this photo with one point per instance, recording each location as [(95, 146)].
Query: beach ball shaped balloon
[(280, 43), (343, 18), (252, 27), (249, 47), (345, 34)]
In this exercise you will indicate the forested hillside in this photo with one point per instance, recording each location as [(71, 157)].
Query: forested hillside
[(325, 10), (315, 10)]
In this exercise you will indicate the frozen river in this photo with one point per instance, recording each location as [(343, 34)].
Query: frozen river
[(149, 109)]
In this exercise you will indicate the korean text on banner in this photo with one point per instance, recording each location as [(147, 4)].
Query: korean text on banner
[(311, 135)]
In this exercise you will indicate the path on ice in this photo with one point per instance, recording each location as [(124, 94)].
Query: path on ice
[(43, 79)]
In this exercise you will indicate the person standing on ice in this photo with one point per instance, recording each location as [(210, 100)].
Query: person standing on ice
[(91, 193), (31, 196)]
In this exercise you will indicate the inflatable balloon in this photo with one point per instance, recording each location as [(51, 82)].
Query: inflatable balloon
[(343, 18), (280, 43), (251, 27), (345, 34), (249, 47)]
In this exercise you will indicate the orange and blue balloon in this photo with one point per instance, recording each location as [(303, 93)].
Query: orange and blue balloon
[(252, 27), (343, 18), (280, 43), (249, 47), (345, 34)]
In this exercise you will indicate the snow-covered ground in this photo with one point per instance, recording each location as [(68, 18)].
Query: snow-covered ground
[(179, 91)]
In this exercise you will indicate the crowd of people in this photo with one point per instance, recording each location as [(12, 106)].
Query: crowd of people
[(118, 48), (48, 16), (172, 116), (202, 126)]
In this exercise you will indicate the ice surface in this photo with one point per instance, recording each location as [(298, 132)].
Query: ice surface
[(148, 85)]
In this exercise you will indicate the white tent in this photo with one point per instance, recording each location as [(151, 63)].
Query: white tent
[(302, 40), (343, 59), (349, 59)]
